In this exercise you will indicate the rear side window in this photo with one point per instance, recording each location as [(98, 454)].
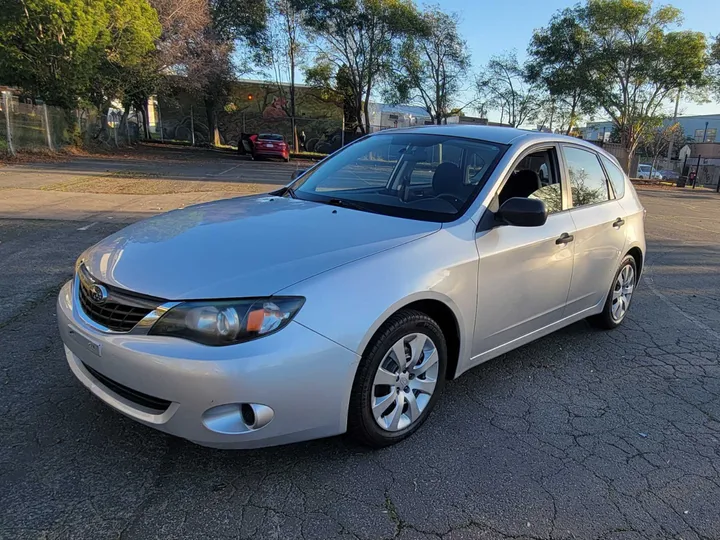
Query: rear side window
[(617, 177), (587, 179)]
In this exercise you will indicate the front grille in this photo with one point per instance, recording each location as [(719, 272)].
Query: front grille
[(149, 402), (120, 312)]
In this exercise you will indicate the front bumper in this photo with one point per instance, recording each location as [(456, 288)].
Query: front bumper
[(302, 376)]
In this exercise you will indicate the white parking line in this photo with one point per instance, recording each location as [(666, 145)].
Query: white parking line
[(225, 171), (86, 227)]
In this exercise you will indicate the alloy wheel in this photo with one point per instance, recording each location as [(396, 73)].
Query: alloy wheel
[(622, 293), (404, 382)]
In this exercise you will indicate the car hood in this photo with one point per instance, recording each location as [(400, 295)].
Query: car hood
[(248, 246)]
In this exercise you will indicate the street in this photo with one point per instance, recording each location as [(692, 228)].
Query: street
[(582, 434)]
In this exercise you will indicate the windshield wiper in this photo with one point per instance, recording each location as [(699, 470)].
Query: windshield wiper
[(342, 203), (287, 190)]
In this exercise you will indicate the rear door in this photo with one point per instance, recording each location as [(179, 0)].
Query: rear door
[(599, 230)]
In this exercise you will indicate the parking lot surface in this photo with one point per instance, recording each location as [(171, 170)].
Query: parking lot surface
[(583, 434)]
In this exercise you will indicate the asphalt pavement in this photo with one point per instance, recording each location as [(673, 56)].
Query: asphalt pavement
[(583, 434)]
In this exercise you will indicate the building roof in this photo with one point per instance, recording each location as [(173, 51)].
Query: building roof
[(714, 116)]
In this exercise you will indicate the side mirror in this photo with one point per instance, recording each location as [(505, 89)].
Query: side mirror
[(296, 173), (522, 212)]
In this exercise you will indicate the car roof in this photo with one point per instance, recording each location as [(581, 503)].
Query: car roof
[(496, 134), (499, 135)]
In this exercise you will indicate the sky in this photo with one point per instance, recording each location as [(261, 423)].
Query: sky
[(493, 26)]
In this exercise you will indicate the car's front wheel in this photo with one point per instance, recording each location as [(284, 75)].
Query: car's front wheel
[(618, 300), (398, 380)]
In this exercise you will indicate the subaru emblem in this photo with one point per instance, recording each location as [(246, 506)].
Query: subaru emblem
[(98, 294)]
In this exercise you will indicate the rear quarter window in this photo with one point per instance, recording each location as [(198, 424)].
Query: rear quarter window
[(617, 177)]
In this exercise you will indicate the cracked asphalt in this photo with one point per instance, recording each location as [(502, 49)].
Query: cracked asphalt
[(583, 434)]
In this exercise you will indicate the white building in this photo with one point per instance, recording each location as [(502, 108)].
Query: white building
[(700, 128)]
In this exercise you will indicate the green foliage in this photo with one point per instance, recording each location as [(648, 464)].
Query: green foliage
[(59, 49), (714, 67), (334, 85), (637, 62), (359, 35), (430, 63), (244, 20), (559, 62)]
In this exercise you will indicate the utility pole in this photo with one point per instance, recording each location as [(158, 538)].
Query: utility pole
[(157, 108), (192, 126), (342, 131), (46, 121), (7, 96), (670, 146), (697, 171)]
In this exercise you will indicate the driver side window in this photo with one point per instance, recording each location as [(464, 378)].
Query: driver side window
[(536, 176)]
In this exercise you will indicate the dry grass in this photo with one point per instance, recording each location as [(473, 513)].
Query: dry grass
[(38, 155), (141, 183)]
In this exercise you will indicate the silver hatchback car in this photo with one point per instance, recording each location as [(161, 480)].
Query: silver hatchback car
[(345, 300)]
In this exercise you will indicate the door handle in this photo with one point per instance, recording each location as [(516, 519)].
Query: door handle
[(565, 238), (619, 222)]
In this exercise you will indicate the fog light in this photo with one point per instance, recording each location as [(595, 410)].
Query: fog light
[(248, 415), (236, 418)]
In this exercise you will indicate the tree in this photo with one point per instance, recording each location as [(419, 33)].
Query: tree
[(656, 141), (556, 115), (209, 69), (46, 47), (638, 63), (63, 50), (183, 24), (283, 48), (243, 20), (502, 84), (124, 51), (332, 85), (430, 65), (358, 36), (714, 70), (559, 62)]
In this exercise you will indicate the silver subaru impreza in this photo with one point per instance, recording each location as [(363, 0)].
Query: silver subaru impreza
[(344, 301)]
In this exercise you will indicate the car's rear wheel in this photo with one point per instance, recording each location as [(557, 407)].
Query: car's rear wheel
[(398, 381), (619, 298)]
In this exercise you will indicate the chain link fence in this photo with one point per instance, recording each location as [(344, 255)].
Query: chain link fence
[(28, 127), (181, 121)]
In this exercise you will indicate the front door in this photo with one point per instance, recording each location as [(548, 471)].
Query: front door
[(600, 232), (524, 273)]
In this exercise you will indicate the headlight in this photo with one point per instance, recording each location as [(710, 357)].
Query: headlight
[(228, 321)]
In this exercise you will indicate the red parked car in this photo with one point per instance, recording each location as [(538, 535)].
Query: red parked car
[(270, 145)]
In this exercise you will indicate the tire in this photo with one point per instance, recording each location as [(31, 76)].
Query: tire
[(410, 326), (607, 320)]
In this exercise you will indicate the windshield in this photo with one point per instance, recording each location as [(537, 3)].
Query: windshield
[(414, 175)]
